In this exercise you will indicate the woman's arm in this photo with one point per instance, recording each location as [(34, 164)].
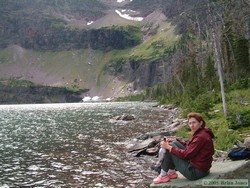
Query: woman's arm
[(191, 150), (183, 142)]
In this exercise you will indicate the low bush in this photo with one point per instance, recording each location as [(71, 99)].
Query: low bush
[(239, 120)]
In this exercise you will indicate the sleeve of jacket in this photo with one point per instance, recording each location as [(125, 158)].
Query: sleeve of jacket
[(191, 150), (183, 142)]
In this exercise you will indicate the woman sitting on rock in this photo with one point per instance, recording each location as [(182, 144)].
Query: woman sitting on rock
[(192, 159)]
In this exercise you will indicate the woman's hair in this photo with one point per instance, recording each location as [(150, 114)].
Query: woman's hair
[(198, 117)]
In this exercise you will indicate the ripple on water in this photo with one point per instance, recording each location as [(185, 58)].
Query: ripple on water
[(72, 144)]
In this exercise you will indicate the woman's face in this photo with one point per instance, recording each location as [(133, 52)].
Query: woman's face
[(194, 124)]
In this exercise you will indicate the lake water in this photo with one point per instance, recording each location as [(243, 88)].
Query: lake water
[(74, 145)]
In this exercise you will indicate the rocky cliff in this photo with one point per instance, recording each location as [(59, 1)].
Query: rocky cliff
[(23, 94), (143, 73)]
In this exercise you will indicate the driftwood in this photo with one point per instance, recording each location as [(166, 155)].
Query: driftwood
[(142, 145), (149, 143), (154, 150), (157, 133)]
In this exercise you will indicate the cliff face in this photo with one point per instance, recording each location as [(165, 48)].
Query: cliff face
[(37, 94), (51, 35), (144, 73)]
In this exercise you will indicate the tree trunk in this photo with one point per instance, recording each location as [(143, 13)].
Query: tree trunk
[(216, 39)]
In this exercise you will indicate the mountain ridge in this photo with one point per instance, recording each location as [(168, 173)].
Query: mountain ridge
[(43, 67), (158, 51)]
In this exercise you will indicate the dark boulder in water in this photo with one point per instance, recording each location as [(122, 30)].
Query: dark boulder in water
[(124, 117)]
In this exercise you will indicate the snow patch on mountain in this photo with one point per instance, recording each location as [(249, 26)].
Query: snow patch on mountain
[(127, 16), (120, 1)]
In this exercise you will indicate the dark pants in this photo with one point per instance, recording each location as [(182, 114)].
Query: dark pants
[(170, 161)]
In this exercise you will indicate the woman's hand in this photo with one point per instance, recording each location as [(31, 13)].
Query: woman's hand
[(170, 139), (165, 144)]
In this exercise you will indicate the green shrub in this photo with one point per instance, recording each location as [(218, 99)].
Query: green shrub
[(242, 83), (16, 83), (239, 120), (184, 132), (137, 97), (73, 88), (225, 138), (203, 103)]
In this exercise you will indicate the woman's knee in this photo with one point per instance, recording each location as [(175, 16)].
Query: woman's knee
[(175, 144)]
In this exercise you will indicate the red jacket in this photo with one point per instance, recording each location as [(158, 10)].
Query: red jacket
[(199, 150)]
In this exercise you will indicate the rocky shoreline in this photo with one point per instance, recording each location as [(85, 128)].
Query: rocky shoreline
[(148, 144)]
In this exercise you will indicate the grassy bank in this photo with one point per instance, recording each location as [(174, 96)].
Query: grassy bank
[(231, 129)]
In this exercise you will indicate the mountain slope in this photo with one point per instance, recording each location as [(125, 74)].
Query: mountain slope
[(84, 68), (67, 68), (114, 48)]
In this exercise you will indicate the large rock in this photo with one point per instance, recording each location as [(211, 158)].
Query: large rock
[(220, 170), (124, 118), (142, 145), (247, 142)]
